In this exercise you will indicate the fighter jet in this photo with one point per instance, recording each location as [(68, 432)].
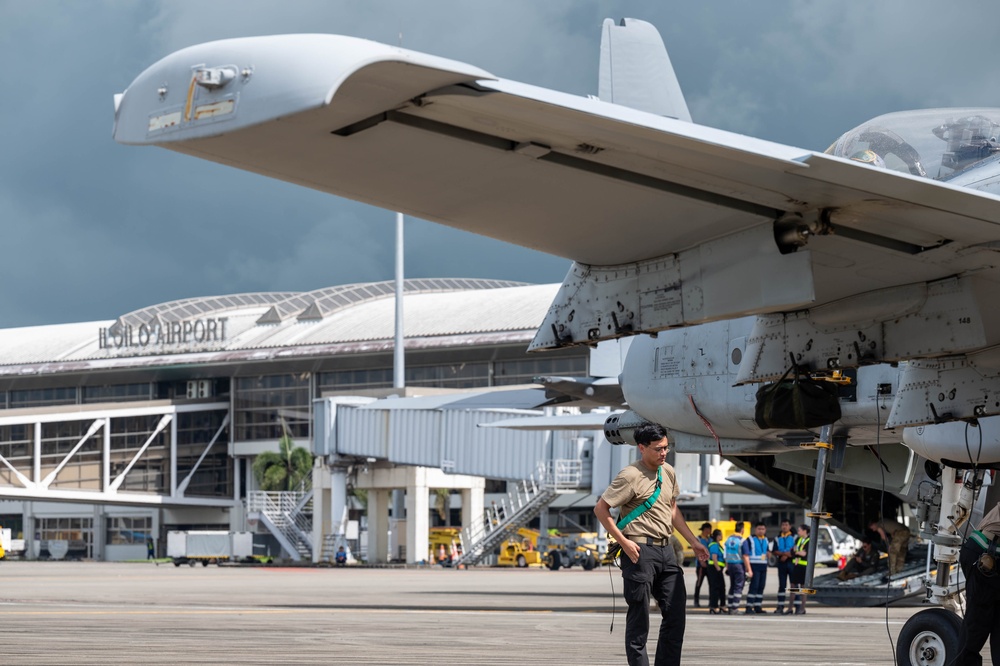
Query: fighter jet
[(874, 261)]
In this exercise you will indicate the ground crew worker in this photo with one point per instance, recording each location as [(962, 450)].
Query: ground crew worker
[(800, 558), (755, 551), (864, 562), (980, 562), (701, 568), (649, 566), (896, 536), (713, 571), (735, 568), (784, 543)]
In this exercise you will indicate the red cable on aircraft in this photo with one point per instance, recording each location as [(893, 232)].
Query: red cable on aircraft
[(707, 424)]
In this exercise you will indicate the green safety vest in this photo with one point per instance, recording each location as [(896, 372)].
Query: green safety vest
[(800, 544)]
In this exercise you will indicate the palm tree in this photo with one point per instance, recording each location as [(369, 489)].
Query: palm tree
[(284, 470)]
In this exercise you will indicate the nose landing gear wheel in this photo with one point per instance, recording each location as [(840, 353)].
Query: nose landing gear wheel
[(929, 638)]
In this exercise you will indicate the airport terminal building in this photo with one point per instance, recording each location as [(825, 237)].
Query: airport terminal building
[(113, 433), (113, 430)]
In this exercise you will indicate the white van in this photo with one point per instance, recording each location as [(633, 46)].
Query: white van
[(834, 544)]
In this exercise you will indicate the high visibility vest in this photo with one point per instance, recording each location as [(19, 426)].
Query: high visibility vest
[(784, 543), (715, 548), (733, 544), (801, 543), (758, 550)]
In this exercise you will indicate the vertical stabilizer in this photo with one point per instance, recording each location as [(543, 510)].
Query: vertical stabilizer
[(636, 70)]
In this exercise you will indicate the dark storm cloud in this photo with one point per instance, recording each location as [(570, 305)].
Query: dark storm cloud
[(93, 229)]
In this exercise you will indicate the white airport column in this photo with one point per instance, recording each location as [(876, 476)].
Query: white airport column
[(473, 505), (417, 515), (338, 506), (99, 533), (321, 508), (378, 525)]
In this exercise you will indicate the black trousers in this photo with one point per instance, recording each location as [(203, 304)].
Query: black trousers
[(784, 574), (658, 575), (699, 578), (716, 587), (798, 580), (982, 610)]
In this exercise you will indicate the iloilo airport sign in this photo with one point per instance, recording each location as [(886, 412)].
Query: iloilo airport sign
[(166, 334)]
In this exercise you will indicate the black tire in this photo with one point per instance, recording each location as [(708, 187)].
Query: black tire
[(177, 563), (555, 560), (929, 638), (522, 562), (204, 563), (590, 563), (191, 563)]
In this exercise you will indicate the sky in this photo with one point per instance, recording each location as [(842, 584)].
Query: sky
[(93, 230)]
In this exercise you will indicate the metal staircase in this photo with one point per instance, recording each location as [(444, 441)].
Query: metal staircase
[(287, 516), (529, 498)]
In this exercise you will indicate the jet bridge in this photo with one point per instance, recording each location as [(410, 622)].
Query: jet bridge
[(440, 434)]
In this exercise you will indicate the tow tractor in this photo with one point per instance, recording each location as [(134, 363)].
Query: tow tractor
[(554, 551)]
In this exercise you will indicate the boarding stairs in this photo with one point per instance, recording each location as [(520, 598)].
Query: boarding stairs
[(527, 500), (288, 516)]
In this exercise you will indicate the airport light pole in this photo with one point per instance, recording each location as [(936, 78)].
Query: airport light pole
[(399, 359)]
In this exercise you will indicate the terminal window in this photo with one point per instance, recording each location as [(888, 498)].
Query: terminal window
[(127, 530), (269, 406)]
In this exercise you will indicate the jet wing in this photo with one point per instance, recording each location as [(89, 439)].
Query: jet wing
[(576, 177)]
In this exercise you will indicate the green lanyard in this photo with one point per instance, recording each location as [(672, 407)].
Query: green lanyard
[(646, 504)]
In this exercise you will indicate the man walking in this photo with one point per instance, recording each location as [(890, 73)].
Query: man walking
[(646, 492)]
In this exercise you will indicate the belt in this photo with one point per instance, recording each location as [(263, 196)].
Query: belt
[(650, 541)]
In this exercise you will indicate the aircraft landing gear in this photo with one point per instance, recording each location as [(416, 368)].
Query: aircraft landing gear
[(929, 638)]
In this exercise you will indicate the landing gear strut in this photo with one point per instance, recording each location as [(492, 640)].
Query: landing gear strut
[(931, 637)]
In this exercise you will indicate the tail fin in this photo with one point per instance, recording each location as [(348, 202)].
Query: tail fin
[(636, 70)]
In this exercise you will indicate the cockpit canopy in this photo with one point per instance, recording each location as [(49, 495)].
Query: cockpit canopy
[(931, 143)]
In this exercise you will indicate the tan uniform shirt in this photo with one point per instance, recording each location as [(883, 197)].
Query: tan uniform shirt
[(891, 527), (633, 485), (990, 524)]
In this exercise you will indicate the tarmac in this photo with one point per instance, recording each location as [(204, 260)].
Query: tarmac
[(138, 613)]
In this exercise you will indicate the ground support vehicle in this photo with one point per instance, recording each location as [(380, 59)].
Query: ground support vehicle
[(568, 550), (521, 550), (209, 547), (554, 551)]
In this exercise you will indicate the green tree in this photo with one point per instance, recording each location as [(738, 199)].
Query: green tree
[(284, 470)]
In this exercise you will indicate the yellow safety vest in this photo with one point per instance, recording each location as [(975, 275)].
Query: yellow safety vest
[(800, 544)]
